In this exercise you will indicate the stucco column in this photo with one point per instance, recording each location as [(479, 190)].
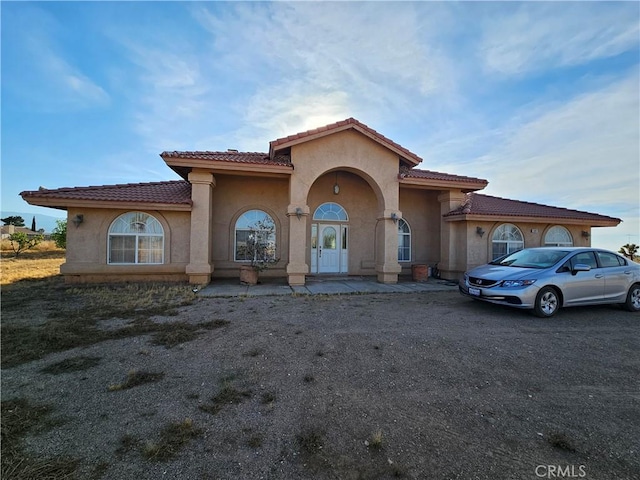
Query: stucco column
[(200, 267), (452, 237), (297, 267), (387, 266)]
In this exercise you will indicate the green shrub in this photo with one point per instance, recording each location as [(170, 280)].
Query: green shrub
[(59, 234)]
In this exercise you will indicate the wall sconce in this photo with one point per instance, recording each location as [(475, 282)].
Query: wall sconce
[(585, 234), (298, 212), (336, 187), (77, 220), (480, 231), (394, 217)]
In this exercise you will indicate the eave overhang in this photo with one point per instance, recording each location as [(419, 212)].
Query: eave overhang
[(66, 203), (434, 184), (183, 166), (532, 219)]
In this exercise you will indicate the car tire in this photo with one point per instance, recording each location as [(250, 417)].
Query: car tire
[(547, 302), (633, 298)]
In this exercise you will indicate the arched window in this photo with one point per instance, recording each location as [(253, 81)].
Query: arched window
[(558, 236), (136, 237), (404, 241), (330, 212), (506, 239), (255, 237)]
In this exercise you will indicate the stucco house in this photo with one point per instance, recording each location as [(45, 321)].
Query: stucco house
[(342, 199)]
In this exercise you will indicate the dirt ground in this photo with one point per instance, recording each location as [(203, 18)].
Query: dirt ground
[(421, 386)]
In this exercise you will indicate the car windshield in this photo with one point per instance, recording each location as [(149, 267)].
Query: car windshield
[(539, 258)]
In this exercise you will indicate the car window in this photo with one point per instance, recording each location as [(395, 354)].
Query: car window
[(532, 258), (609, 259), (585, 258)]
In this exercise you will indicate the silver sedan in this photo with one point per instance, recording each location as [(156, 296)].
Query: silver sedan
[(545, 279)]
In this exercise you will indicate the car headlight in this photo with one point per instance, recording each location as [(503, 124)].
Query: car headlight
[(517, 283)]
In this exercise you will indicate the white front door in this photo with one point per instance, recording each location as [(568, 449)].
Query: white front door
[(329, 244)]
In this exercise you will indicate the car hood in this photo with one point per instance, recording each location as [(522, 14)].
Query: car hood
[(500, 272)]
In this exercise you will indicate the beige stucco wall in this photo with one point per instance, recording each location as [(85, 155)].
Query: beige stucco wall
[(86, 255), (421, 210), (234, 195)]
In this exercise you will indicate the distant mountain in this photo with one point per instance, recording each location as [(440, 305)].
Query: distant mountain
[(42, 221)]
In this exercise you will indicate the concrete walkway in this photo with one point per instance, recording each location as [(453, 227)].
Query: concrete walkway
[(319, 285)]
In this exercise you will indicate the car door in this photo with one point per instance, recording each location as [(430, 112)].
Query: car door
[(583, 287), (618, 276)]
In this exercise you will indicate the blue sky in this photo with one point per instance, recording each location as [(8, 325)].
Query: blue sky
[(539, 98)]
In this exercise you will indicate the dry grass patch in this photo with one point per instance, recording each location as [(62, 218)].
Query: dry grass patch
[(19, 418), (227, 395), (73, 364), (175, 333), (173, 438), (561, 441), (42, 261), (136, 378), (68, 317)]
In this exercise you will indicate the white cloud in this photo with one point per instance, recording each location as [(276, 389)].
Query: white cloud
[(537, 36), (38, 69), (372, 54), (73, 88), (582, 154), (170, 96)]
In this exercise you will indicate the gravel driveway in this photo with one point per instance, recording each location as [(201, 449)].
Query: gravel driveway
[(429, 385)]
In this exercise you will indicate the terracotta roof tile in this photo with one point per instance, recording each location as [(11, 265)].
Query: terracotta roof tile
[(230, 156), (171, 192), (480, 204), (416, 173), (339, 126)]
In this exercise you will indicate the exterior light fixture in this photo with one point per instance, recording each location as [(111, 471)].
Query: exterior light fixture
[(394, 217), (77, 220), (585, 234), (298, 212), (480, 231), (336, 187)]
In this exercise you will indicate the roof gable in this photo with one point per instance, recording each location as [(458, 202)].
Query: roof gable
[(284, 143), (477, 204)]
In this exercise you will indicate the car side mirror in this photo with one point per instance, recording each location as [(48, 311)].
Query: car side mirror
[(580, 267)]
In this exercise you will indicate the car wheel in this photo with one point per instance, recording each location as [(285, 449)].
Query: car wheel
[(547, 303), (633, 298)]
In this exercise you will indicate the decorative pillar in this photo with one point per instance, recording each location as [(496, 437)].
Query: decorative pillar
[(297, 267), (452, 245), (387, 266), (200, 267)]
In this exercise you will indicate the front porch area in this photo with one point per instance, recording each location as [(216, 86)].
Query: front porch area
[(323, 285)]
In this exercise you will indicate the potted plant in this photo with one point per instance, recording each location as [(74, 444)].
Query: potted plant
[(259, 251)]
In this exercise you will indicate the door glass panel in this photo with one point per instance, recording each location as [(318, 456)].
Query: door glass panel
[(329, 238), (344, 238), (314, 236)]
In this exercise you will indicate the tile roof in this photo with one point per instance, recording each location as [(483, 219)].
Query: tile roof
[(428, 174), (230, 156), (170, 192), (343, 125), (480, 204)]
